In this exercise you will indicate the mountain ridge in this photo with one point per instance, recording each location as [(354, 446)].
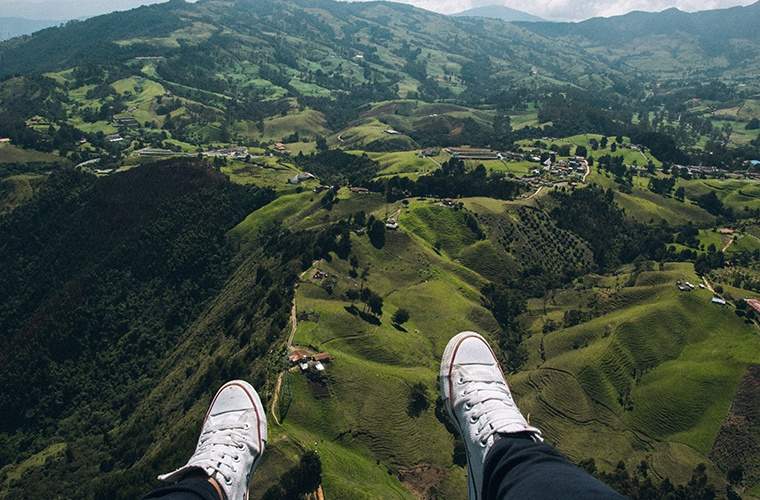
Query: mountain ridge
[(499, 12)]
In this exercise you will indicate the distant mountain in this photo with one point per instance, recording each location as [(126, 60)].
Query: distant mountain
[(500, 12), (11, 27), (671, 41), (65, 9)]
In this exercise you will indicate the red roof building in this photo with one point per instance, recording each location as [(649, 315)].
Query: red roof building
[(754, 304)]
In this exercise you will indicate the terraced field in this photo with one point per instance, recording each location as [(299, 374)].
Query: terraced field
[(735, 193), (650, 372), (652, 378)]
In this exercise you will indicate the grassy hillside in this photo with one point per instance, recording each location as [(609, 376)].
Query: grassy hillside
[(636, 373)]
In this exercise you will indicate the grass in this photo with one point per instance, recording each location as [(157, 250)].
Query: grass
[(644, 206), (358, 423), (440, 226), (263, 172), (673, 357), (37, 460), (405, 163), (14, 154), (735, 193)]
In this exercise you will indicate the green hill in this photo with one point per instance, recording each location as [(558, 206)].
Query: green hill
[(641, 372)]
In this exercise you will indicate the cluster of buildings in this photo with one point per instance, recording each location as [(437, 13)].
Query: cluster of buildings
[(306, 360), (685, 286), (233, 153), (700, 170), (552, 172)]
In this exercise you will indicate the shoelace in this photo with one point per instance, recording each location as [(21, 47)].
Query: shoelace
[(219, 444), (486, 397)]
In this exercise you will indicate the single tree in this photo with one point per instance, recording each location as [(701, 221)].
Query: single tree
[(401, 316)]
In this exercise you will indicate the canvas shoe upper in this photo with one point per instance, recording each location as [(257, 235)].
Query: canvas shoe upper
[(232, 440), (479, 401)]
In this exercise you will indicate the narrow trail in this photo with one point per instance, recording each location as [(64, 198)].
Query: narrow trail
[(538, 191), (707, 284), (437, 163), (291, 336), (588, 172), (730, 242), (319, 494)]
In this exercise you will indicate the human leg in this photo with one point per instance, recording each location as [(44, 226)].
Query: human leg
[(506, 457), (520, 467), (231, 443)]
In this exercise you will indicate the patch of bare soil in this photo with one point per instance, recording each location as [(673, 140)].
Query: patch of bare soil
[(422, 479)]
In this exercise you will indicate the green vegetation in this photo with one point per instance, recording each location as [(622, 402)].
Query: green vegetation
[(644, 359), (128, 296)]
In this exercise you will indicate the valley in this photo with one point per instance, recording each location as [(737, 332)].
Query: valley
[(316, 196)]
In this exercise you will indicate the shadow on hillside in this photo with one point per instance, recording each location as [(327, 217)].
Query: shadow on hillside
[(355, 311), (400, 328)]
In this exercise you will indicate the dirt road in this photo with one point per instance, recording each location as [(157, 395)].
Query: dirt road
[(291, 336)]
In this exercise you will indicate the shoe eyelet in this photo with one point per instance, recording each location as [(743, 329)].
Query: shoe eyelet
[(247, 426), (236, 458), (473, 420), (241, 446), (467, 406), (460, 380), (228, 482)]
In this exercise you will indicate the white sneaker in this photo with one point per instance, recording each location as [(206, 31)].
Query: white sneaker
[(232, 440), (479, 401)]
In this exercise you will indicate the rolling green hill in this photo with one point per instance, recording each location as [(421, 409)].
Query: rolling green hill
[(641, 373), (131, 288)]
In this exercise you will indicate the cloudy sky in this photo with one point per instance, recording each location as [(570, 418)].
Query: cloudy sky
[(549, 9)]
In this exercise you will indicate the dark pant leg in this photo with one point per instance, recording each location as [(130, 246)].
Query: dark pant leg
[(518, 468), (187, 489)]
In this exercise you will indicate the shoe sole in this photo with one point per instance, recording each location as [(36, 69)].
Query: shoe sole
[(447, 389), (261, 417)]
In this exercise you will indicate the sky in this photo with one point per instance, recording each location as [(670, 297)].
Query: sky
[(558, 10)]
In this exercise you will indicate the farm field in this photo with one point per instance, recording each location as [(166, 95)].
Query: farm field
[(735, 193), (624, 377), (582, 384), (643, 205)]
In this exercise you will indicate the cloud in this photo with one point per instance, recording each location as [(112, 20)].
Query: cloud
[(578, 9)]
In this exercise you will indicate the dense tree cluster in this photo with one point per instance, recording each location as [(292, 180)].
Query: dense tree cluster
[(592, 214)]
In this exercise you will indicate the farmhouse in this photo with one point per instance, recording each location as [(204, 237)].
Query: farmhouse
[(391, 224), (4, 140), (298, 356), (392, 132), (359, 190), (718, 300), (154, 152), (465, 153), (125, 122), (754, 304), (302, 177), (428, 152), (280, 147), (114, 138)]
